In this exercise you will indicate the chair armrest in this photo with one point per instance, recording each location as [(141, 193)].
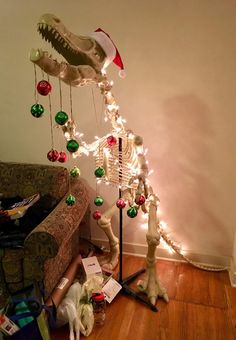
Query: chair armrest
[(46, 239)]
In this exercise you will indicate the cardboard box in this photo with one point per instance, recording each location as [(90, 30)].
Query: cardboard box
[(91, 267)]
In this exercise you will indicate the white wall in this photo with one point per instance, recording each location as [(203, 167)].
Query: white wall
[(179, 95)]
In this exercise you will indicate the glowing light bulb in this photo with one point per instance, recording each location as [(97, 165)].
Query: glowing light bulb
[(170, 250), (110, 107), (119, 120), (74, 155), (144, 226), (144, 216), (103, 70), (163, 225)]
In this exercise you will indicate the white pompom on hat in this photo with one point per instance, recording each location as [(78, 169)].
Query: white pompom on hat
[(112, 53)]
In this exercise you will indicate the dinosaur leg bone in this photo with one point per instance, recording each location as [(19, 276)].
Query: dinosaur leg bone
[(109, 262), (150, 284)]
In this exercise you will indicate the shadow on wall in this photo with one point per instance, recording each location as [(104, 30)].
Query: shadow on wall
[(193, 196)]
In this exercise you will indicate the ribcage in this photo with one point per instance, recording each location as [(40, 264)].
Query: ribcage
[(119, 160)]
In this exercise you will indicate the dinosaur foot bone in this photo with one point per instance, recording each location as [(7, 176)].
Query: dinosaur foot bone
[(110, 261), (152, 287)]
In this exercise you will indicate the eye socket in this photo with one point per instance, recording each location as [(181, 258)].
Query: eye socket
[(57, 20)]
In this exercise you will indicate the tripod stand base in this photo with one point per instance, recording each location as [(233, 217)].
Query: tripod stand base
[(130, 292)]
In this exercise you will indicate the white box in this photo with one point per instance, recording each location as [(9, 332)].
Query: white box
[(91, 266)]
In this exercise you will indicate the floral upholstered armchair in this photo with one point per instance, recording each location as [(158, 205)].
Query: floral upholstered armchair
[(48, 249)]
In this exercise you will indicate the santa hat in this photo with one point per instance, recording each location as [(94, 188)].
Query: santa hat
[(112, 53)]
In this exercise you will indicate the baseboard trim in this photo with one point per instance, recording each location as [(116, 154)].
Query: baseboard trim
[(162, 253), (232, 274)]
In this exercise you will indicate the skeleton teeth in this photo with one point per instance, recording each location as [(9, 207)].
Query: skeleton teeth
[(56, 35), (49, 28)]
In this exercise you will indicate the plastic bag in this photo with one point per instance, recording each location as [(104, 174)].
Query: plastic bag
[(77, 309)]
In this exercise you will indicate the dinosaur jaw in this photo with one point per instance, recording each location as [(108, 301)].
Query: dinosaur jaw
[(84, 57), (64, 42), (76, 49)]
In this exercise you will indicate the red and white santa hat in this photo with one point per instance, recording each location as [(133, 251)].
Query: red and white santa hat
[(112, 53)]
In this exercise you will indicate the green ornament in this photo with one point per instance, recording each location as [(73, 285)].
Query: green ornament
[(99, 172), (98, 201), (72, 145), (70, 200), (75, 172), (37, 110), (132, 212), (61, 117)]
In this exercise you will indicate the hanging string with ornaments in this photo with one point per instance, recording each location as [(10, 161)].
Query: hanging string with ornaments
[(99, 172), (61, 118), (44, 88), (36, 109)]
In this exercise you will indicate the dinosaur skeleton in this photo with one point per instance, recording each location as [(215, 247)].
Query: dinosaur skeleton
[(124, 162)]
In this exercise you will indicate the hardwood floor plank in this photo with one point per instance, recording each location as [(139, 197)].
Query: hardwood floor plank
[(231, 300), (200, 286)]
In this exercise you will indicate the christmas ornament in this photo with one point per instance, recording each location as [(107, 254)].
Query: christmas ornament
[(62, 157), (75, 171), (72, 145), (97, 215), (37, 110), (132, 212), (98, 201), (99, 172), (52, 155), (111, 140), (61, 117), (44, 87), (120, 203), (140, 200), (70, 200)]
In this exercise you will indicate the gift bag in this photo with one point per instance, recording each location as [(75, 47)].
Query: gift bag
[(26, 309)]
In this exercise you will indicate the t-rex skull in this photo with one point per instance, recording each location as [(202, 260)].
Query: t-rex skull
[(84, 56)]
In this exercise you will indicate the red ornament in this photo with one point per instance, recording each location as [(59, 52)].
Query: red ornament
[(44, 87), (97, 215), (62, 157), (140, 200), (52, 155), (120, 203), (111, 140)]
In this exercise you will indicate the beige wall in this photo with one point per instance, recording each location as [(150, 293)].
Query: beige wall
[(179, 94), (234, 250)]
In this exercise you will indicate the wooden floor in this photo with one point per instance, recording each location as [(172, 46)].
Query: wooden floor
[(202, 307)]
